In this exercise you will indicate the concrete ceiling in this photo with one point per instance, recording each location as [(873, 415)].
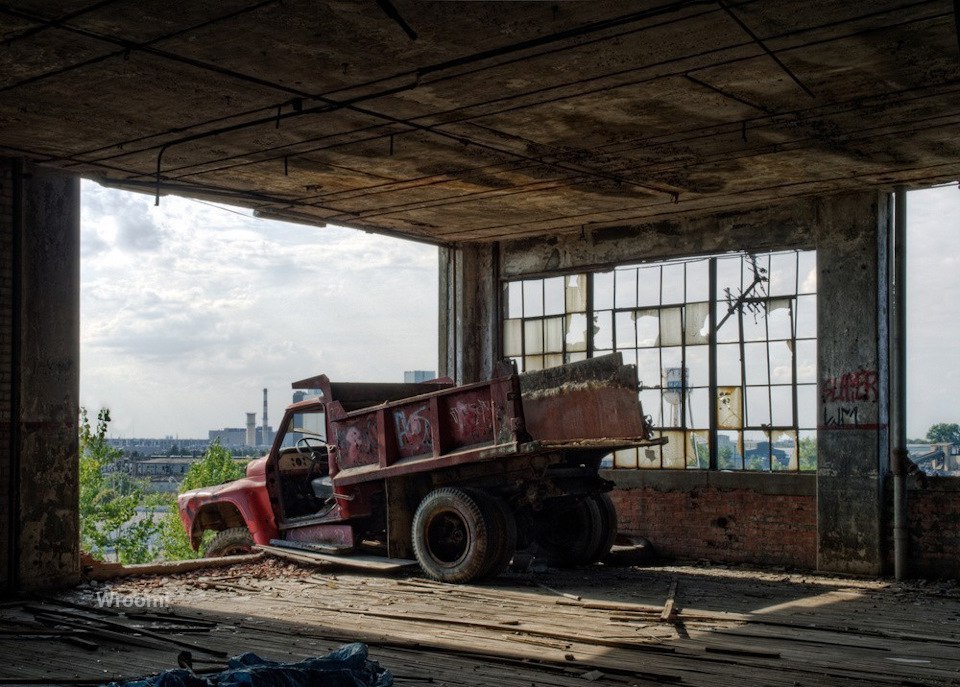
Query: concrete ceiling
[(478, 121)]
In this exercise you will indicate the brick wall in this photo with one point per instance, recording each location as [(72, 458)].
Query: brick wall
[(933, 522), (765, 519)]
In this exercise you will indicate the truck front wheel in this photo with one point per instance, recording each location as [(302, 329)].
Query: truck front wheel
[(451, 536), (235, 541)]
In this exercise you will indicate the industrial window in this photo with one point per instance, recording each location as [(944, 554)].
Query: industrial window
[(759, 368)]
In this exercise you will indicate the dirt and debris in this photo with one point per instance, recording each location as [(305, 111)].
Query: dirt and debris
[(698, 625)]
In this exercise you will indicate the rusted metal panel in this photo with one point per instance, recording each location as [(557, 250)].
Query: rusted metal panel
[(591, 399)]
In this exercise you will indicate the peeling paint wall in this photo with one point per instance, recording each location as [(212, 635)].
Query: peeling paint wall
[(40, 377), (852, 367), (469, 312)]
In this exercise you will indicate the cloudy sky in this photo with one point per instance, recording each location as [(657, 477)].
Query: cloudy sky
[(189, 310)]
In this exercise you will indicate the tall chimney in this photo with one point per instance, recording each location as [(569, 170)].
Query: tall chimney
[(266, 432), (251, 429)]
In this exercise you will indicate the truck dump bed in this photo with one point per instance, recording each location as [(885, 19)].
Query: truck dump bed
[(589, 405)]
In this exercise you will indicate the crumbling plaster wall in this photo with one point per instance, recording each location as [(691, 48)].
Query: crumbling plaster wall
[(39, 374), (849, 232)]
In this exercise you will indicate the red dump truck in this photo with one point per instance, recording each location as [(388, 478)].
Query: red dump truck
[(457, 477)]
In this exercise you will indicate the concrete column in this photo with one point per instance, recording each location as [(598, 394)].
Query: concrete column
[(853, 365), (39, 374), (469, 311)]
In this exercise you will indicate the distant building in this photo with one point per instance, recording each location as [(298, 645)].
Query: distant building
[(418, 376)]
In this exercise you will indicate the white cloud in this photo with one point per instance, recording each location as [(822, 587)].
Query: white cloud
[(188, 310)]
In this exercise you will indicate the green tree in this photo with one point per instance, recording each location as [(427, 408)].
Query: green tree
[(109, 498), (808, 453), (216, 466), (944, 432)]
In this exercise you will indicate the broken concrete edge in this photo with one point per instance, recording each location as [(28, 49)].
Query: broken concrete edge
[(107, 571)]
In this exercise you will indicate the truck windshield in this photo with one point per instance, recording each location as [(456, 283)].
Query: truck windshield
[(305, 424)]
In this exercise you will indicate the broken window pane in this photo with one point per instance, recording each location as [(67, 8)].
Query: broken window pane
[(783, 274), (728, 365), (650, 401), (553, 296), (807, 271), (807, 406), (626, 330), (629, 356), (625, 288), (512, 338), (780, 318), (806, 361), (673, 283), (648, 286), (576, 332), (553, 335), (781, 362), (758, 406), (671, 327), (603, 291), (698, 365), (806, 317), (698, 450), (697, 324), (533, 336), (513, 299), (781, 399), (756, 450), (576, 295), (648, 327), (533, 298), (648, 367), (729, 451), (603, 330), (729, 407), (698, 409), (807, 451)]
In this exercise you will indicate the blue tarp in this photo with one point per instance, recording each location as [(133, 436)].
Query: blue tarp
[(348, 666)]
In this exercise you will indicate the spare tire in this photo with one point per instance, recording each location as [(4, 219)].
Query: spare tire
[(235, 541), (451, 537)]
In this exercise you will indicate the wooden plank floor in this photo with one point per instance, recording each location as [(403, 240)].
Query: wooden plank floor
[(603, 625)]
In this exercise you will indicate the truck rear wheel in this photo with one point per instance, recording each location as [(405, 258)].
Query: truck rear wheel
[(235, 541), (569, 532), (608, 517), (502, 531), (451, 536)]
